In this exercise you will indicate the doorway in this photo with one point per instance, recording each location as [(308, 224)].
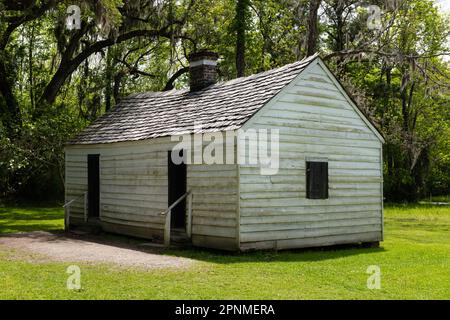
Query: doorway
[(177, 188), (93, 185)]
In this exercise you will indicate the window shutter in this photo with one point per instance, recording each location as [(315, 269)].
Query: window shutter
[(316, 180), (323, 180)]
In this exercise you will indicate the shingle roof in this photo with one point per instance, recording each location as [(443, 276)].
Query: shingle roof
[(222, 106)]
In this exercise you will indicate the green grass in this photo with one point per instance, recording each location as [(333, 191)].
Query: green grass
[(25, 219), (414, 261)]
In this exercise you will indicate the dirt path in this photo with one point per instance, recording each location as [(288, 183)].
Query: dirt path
[(71, 248)]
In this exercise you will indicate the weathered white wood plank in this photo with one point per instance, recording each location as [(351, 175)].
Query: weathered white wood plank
[(305, 210), (155, 221), (311, 121), (306, 225), (294, 202), (313, 242), (215, 221), (226, 232), (307, 233), (281, 218), (139, 204)]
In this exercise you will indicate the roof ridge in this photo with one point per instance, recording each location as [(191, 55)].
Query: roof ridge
[(273, 70), (222, 106), (147, 94)]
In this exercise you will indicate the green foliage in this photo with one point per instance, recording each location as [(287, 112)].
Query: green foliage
[(397, 76), (32, 163), (405, 88), (438, 181)]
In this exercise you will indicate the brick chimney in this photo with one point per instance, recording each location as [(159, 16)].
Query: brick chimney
[(202, 69)]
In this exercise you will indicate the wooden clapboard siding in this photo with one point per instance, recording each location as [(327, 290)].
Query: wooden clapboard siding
[(316, 241), (134, 190), (133, 181), (315, 120), (75, 181), (214, 210)]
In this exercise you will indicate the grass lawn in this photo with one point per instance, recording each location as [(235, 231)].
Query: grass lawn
[(25, 219), (414, 261)]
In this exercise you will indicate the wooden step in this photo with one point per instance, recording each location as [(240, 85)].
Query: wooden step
[(179, 236), (92, 226)]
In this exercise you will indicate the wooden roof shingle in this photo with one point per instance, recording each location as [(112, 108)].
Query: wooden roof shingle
[(219, 107)]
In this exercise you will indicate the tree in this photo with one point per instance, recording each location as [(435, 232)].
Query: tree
[(55, 81), (241, 25), (313, 26)]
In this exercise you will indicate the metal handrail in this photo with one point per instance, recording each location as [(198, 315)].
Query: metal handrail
[(168, 213), (67, 205), (175, 203)]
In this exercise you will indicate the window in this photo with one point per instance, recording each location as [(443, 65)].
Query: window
[(316, 180)]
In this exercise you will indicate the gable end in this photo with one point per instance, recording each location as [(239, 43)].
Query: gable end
[(316, 62), (344, 92)]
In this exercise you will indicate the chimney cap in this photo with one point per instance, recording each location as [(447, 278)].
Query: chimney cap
[(203, 54)]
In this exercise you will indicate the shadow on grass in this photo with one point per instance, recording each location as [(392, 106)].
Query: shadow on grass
[(268, 256)]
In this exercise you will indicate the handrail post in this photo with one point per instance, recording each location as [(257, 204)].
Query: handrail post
[(168, 214), (189, 217), (85, 207), (167, 229), (67, 205), (67, 218)]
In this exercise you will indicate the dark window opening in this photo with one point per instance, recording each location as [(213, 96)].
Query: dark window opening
[(316, 180)]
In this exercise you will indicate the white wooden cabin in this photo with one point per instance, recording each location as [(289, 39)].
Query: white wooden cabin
[(328, 189)]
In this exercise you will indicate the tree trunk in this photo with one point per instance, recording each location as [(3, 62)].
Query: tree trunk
[(52, 88), (12, 113), (108, 75), (340, 39), (30, 66), (313, 27), (117, 84), (241, 26), (387, 95)]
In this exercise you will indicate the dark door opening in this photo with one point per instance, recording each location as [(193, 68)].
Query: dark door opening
[(93, 185), (177, 188)]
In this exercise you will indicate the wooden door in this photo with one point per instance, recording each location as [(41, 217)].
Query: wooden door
[(177, 188), (93, 185)]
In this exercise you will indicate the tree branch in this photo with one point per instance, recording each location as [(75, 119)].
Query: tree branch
[(382, 53), (30, 14), (134, 69), (175, 76), (65, 69)]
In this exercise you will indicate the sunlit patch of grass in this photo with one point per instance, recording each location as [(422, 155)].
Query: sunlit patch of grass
[(25, 219)]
